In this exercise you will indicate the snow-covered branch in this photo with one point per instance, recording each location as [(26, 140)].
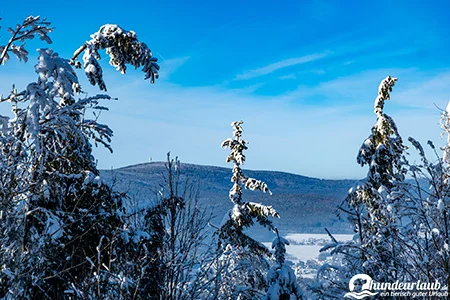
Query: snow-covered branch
[(122, 46)]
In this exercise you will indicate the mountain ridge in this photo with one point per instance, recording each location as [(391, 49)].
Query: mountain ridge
[(162, 163), (305, 204)]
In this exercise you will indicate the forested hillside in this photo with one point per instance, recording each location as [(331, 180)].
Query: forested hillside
[(305, 205)]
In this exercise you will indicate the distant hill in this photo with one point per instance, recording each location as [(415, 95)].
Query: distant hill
[(306, 205)]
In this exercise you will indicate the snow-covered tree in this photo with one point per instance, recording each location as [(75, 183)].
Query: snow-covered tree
[(373, 204), (244, 214), (426, 235), (60, 223), (244, 257), (281, 278), (173, 244)]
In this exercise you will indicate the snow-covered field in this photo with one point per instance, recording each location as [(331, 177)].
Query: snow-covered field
[(306, 246), (304, 250), (304, 237)]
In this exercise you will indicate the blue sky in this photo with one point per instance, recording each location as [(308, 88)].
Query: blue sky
[(302, 75)]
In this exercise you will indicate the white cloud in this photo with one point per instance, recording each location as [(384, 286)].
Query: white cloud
[(361, 88), (280, 65), (302, 137), (170, 66), (287, 133), (426, 91)]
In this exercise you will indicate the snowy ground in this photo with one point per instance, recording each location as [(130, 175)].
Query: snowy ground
[(303, 251), (306, 246)]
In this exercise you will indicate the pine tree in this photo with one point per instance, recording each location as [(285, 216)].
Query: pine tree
[(374, 202), (373, 207), (281, 278), (244, 256)]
